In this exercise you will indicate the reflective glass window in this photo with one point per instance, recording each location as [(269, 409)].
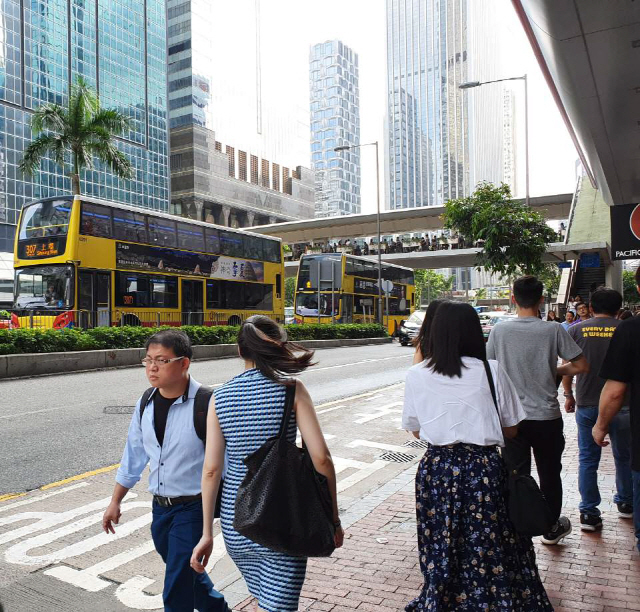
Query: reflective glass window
[(231, 244), (162, 232), (132, 289), (272, 251), (96, 220), (164, 291), (253, 247), (190, 237), (129, 226), (212, 241)]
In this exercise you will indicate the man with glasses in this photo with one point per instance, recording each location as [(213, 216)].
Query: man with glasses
[(162, 434)]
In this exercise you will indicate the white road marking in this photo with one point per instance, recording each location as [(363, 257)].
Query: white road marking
[(360, 475), (380, 412), (382, 446), (37, 498), (330, 409), (346, 365)]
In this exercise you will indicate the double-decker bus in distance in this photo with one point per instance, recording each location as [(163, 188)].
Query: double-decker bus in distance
[(340, 288), (86, 262)]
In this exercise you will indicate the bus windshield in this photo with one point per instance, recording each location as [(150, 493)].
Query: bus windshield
[(307, 304), (49, 287), (44, 219)]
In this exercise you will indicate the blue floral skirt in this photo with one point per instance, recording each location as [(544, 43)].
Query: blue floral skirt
[(470, 556)]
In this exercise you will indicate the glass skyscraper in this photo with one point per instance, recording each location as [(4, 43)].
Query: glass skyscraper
[(119, 47), (335, 121), (442, 140)]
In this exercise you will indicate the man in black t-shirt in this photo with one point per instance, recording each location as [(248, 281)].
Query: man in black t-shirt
[(593, 336), (621, 369)]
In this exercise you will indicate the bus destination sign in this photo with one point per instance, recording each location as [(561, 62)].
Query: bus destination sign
[(41, 248)]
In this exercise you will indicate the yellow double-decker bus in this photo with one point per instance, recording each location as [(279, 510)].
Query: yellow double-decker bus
[(340, 288), (86, 262)]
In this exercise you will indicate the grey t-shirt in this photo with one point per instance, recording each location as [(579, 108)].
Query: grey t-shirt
[(528, 349)]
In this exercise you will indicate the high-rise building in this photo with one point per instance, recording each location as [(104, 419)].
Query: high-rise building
[(119, 47), (442, 140), (235, 154), (335, 121)]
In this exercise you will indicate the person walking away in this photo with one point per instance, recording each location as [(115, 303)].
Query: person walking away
[(243, 414), (528, 349), (470, 555), (593, 337), (421, 341), (621, 370), (582, 312), (162, 434), (569, 319)]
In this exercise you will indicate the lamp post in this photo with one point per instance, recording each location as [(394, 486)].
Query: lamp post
[(375, 144), (472, 84)]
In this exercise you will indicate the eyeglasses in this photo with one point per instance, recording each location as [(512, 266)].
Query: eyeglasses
[(147, 361)]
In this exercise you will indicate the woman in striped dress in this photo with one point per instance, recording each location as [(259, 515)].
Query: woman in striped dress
[(243, 414)]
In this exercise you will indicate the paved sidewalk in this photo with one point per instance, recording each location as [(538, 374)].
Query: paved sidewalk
[(377, 570)]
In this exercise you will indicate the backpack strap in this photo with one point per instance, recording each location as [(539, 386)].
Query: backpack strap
[(200, 411), (145, 399)]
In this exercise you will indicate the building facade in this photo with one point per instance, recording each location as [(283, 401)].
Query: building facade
[(335, 121), (119, 48), (234, 159)]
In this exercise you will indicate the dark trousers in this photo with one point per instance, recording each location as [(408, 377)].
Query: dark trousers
[(175, 531), (546, 440)]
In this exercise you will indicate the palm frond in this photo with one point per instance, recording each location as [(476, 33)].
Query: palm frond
[(39, 147), (107, 152), (49, 117), (110, 120), (83, 103)]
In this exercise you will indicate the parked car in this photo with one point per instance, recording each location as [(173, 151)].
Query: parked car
[(289, 318), (409, 328), (489, 323)]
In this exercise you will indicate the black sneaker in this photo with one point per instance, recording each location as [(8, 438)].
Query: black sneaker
[(590, 522), (625, 510), (561, 529)]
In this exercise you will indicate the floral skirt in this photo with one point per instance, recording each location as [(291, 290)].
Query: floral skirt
[(470, 556)]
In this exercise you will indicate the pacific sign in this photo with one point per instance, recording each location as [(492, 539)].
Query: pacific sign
[(625, 231)]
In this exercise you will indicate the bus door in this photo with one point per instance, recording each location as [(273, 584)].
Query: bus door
[(347, 308), (94, 298), (192, 302)]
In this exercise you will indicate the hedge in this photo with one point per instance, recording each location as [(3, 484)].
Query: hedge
[(16, 341)]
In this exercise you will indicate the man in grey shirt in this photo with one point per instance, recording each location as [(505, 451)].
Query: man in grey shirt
[(528, 349)]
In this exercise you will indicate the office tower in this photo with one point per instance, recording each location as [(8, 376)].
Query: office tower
[(235, 154), (119, 47), (335, 121), (442, 140)]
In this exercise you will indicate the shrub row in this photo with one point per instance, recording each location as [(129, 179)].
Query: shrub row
[(50, 340)]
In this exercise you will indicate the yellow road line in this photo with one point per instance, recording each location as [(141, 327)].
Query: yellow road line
[(109, 468), (9, 496)]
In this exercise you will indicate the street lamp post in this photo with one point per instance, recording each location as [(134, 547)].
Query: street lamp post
[(472, 84), (346, 148)]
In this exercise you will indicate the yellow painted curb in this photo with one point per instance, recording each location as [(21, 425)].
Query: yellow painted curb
[(9, 496), (80, 477)]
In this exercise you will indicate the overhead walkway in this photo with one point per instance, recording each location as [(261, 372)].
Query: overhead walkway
[(408, 220)]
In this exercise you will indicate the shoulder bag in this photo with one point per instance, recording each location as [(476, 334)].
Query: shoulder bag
[(283, 503), (528, 509)]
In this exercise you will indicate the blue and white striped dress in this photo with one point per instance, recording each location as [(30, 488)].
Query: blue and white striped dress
[(250, 409)]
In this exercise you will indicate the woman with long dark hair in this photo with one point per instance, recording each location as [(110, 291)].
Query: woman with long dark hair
[(243, 414), (470, 555), (421, 341)]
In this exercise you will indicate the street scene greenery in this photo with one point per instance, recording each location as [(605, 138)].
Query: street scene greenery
[(513, 237), (629, 287), (431, 285), (77, 135), (15, 341)]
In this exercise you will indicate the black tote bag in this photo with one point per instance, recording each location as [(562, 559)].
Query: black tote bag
[(528, 509), (283, 503)]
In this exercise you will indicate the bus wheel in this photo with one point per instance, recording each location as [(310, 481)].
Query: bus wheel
[(130, 319), (234, 320)]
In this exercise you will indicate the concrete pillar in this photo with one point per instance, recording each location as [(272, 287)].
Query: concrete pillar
[(225, 211), (272, 220), (613, 275), (199, 206), (250, 218)]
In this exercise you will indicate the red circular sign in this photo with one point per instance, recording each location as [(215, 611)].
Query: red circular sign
[(634, 222)]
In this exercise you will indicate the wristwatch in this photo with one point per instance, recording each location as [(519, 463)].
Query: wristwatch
[(570, 394)]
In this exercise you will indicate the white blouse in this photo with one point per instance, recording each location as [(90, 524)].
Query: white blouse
[(448, 410)]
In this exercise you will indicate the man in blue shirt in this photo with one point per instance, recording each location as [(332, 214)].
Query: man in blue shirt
[(569, 320), (165, 438)]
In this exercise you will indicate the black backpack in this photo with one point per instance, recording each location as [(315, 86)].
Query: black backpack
[(200, 411)]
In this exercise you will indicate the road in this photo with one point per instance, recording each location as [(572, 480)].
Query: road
[(55, 427)]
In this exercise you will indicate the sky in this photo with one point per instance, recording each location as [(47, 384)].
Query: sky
[(290, 27)]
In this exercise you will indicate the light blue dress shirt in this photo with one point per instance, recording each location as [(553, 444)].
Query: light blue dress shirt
[(176, 466)]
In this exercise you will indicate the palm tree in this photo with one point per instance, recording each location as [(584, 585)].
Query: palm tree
[(76, 135)]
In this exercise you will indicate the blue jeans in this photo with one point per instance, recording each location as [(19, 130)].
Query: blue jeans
[(175, 531), (589, 458), (636, 505)]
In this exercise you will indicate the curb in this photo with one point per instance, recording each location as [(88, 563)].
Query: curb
[(37, 364)]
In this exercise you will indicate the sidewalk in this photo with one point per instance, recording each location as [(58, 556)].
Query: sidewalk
[(377, 570)]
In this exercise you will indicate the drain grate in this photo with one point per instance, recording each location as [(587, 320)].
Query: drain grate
[(416, 444), (397, 457), (118, 409)]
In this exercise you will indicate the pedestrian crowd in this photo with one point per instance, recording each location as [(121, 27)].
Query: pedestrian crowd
[(483, 408)]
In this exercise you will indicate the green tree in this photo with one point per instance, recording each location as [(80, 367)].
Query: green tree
[(481, 294), (289, 290), (430, 285), (514, 237), (629, 287), (549, 274), (76, 135)]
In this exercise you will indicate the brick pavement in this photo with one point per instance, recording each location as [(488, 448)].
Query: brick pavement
[(377, 570)]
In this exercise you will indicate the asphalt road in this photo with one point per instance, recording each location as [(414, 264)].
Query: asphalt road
[(54, 427)]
